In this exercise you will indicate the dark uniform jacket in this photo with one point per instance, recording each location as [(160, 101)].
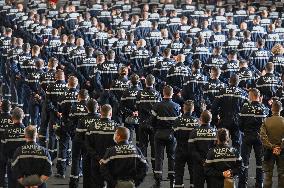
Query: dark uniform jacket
[(123, 162), (200, 140), (99, 135), (31, 159), (218, 160), (164, 114), (183, 127), (251, 117), (13, 138)]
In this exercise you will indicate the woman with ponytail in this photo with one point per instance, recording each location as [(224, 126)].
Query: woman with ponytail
[(222, 162)]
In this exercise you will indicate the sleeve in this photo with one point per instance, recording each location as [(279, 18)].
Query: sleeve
[(194, 151), (209, 166), (236, 167), (105, 169), (16, 167), (89, 145), (47, 168), (141, 168), (154, 115), (242, 118), (264, 138)]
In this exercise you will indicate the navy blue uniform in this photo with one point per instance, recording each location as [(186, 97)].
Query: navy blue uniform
[(184, 126), (78, 111), (227, 105), (5, 122), (99, 137), (268, 85), (200, 141), (31, 159), (164, 115), (260, 58), (128, 106), (123, 162), (69, 99), (219, 159), (53, 97), (177, 75), (251, 118), (146, 99), (13, 137)]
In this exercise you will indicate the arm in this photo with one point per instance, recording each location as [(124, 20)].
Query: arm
[(105, 168), (192, 147), (209, 167), (264, 138), (141, 168)]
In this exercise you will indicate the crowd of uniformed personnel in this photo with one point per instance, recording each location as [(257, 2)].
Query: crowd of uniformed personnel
[(181, 76)]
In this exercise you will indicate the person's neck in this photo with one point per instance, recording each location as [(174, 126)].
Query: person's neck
[(275, 113), (167, 97), (18, 122), (105, 117), (122, 141), (30, 140)]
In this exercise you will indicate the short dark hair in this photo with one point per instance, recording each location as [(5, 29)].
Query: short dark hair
[(6, 106), (167, 52), (223, 135), (188, 105), (105, 110), (110, 54), (255, 92), (134, 79), (31, 132), (123, 132), (269, 66), (196, 64), (276, 106), (168, 90), (234, 80), (18, 114), (216, 70), (92, 105), (206, 116), (150, 80), (83, 93)]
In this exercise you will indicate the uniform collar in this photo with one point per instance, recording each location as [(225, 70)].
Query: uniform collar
[(167, 99), (123, 142)]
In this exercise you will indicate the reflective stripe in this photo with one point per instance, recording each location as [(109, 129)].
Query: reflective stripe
[(266, 85), (60, 159), (176, 186), (30, 156), (258, 166), (13, 140), (171, 172), (184, 128), (81, 130), (154, 101), (201, 139), (222, 160), (123, 157), (75, 177), (166, 118), (130, 98), (158, 172), (253, 115), (99, 132), (153, 113)]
